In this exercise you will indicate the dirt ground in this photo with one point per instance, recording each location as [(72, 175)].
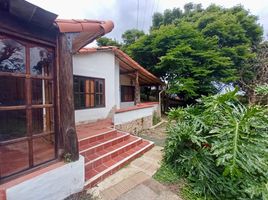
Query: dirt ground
[(157, 135)]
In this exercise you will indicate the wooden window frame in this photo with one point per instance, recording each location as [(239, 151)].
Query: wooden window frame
[(85, 78), (28, 106), (122, 95)]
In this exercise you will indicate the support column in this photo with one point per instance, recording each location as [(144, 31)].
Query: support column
[(68, 136), (137, 89)]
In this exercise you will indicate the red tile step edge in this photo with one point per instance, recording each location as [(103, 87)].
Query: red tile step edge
[(109, 140), (109, 146), (96, 159), (97, 174), (100, 136)]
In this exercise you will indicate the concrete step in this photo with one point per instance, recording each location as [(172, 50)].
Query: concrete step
[(88, 141), (95, 159), (107, 141), (109, 166)]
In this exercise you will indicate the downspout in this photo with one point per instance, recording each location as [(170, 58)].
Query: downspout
[(159, 97)]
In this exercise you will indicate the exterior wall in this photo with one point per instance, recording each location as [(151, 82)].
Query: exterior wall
[(157, 109), (127, 104), (55, 184), (136, 126), (117, 84), (128, 116), (99, 65)]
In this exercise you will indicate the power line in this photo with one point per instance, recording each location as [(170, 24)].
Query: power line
[(138, 7), (157, 6), (152, 11), (144, 14)]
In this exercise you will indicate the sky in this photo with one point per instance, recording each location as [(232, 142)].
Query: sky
[(126, 15)]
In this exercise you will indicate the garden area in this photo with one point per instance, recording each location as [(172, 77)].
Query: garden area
[(215, 62)]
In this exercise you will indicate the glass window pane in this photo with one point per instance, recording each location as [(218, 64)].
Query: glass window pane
[(14, 158), (43, 149), (12, 56), (82, 85), (76, 101), (97, 86), (76, 84), (101, 86), (41, 91), (97, 99), (12, 91), (43, 120), (41, 61), (12, 124)]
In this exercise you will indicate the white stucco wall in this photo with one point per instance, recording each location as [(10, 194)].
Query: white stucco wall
[(127, 104), (117, 84), (124, 117), (55, 184), (98, 65)]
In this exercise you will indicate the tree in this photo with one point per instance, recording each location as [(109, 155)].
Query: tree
[(259, 77), (130, 36), (200, 49), (170, 16), (104, 41)]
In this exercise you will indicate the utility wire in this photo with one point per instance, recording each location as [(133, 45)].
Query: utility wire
[(138, 7), (143, 21), (157, 6), (151, 14), (152, 11)]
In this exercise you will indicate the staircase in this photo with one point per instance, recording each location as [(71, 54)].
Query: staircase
[(106, 150)]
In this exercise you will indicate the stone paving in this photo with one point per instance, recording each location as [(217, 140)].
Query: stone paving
[(135, 182)]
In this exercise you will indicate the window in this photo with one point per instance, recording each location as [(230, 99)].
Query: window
[(88, 92), (27, 135), (127, 93)]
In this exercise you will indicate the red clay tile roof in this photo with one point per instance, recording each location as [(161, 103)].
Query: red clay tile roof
[(124, 58), (88, 30), (85, 25)]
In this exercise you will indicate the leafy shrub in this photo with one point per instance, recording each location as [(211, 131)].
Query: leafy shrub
[(221, 147)]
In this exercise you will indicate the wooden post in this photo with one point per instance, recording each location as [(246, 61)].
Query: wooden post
[(137, 89), (68, 136)]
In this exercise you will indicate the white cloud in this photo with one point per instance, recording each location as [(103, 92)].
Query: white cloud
[(124, 13)]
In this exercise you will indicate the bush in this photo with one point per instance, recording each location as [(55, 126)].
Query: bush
[(221, 147)]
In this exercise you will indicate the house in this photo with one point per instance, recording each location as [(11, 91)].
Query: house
[(111, 83), (66, 113), (37, 126)]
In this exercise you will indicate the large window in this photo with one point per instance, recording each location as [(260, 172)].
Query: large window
[(88, 92), (127, 93), (27, 135)]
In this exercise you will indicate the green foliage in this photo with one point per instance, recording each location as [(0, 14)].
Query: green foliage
[(188, 194), (104, 41), (130, 36), (166, 174), (67, 157), (196, 48), (262, 89), (220, 146)]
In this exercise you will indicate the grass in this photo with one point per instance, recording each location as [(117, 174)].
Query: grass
[(169, 177), (165, 174)]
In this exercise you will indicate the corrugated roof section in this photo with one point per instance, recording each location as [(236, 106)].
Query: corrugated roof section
[(29, 12)]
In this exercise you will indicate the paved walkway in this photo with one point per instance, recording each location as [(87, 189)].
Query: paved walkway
[(135, 182)]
